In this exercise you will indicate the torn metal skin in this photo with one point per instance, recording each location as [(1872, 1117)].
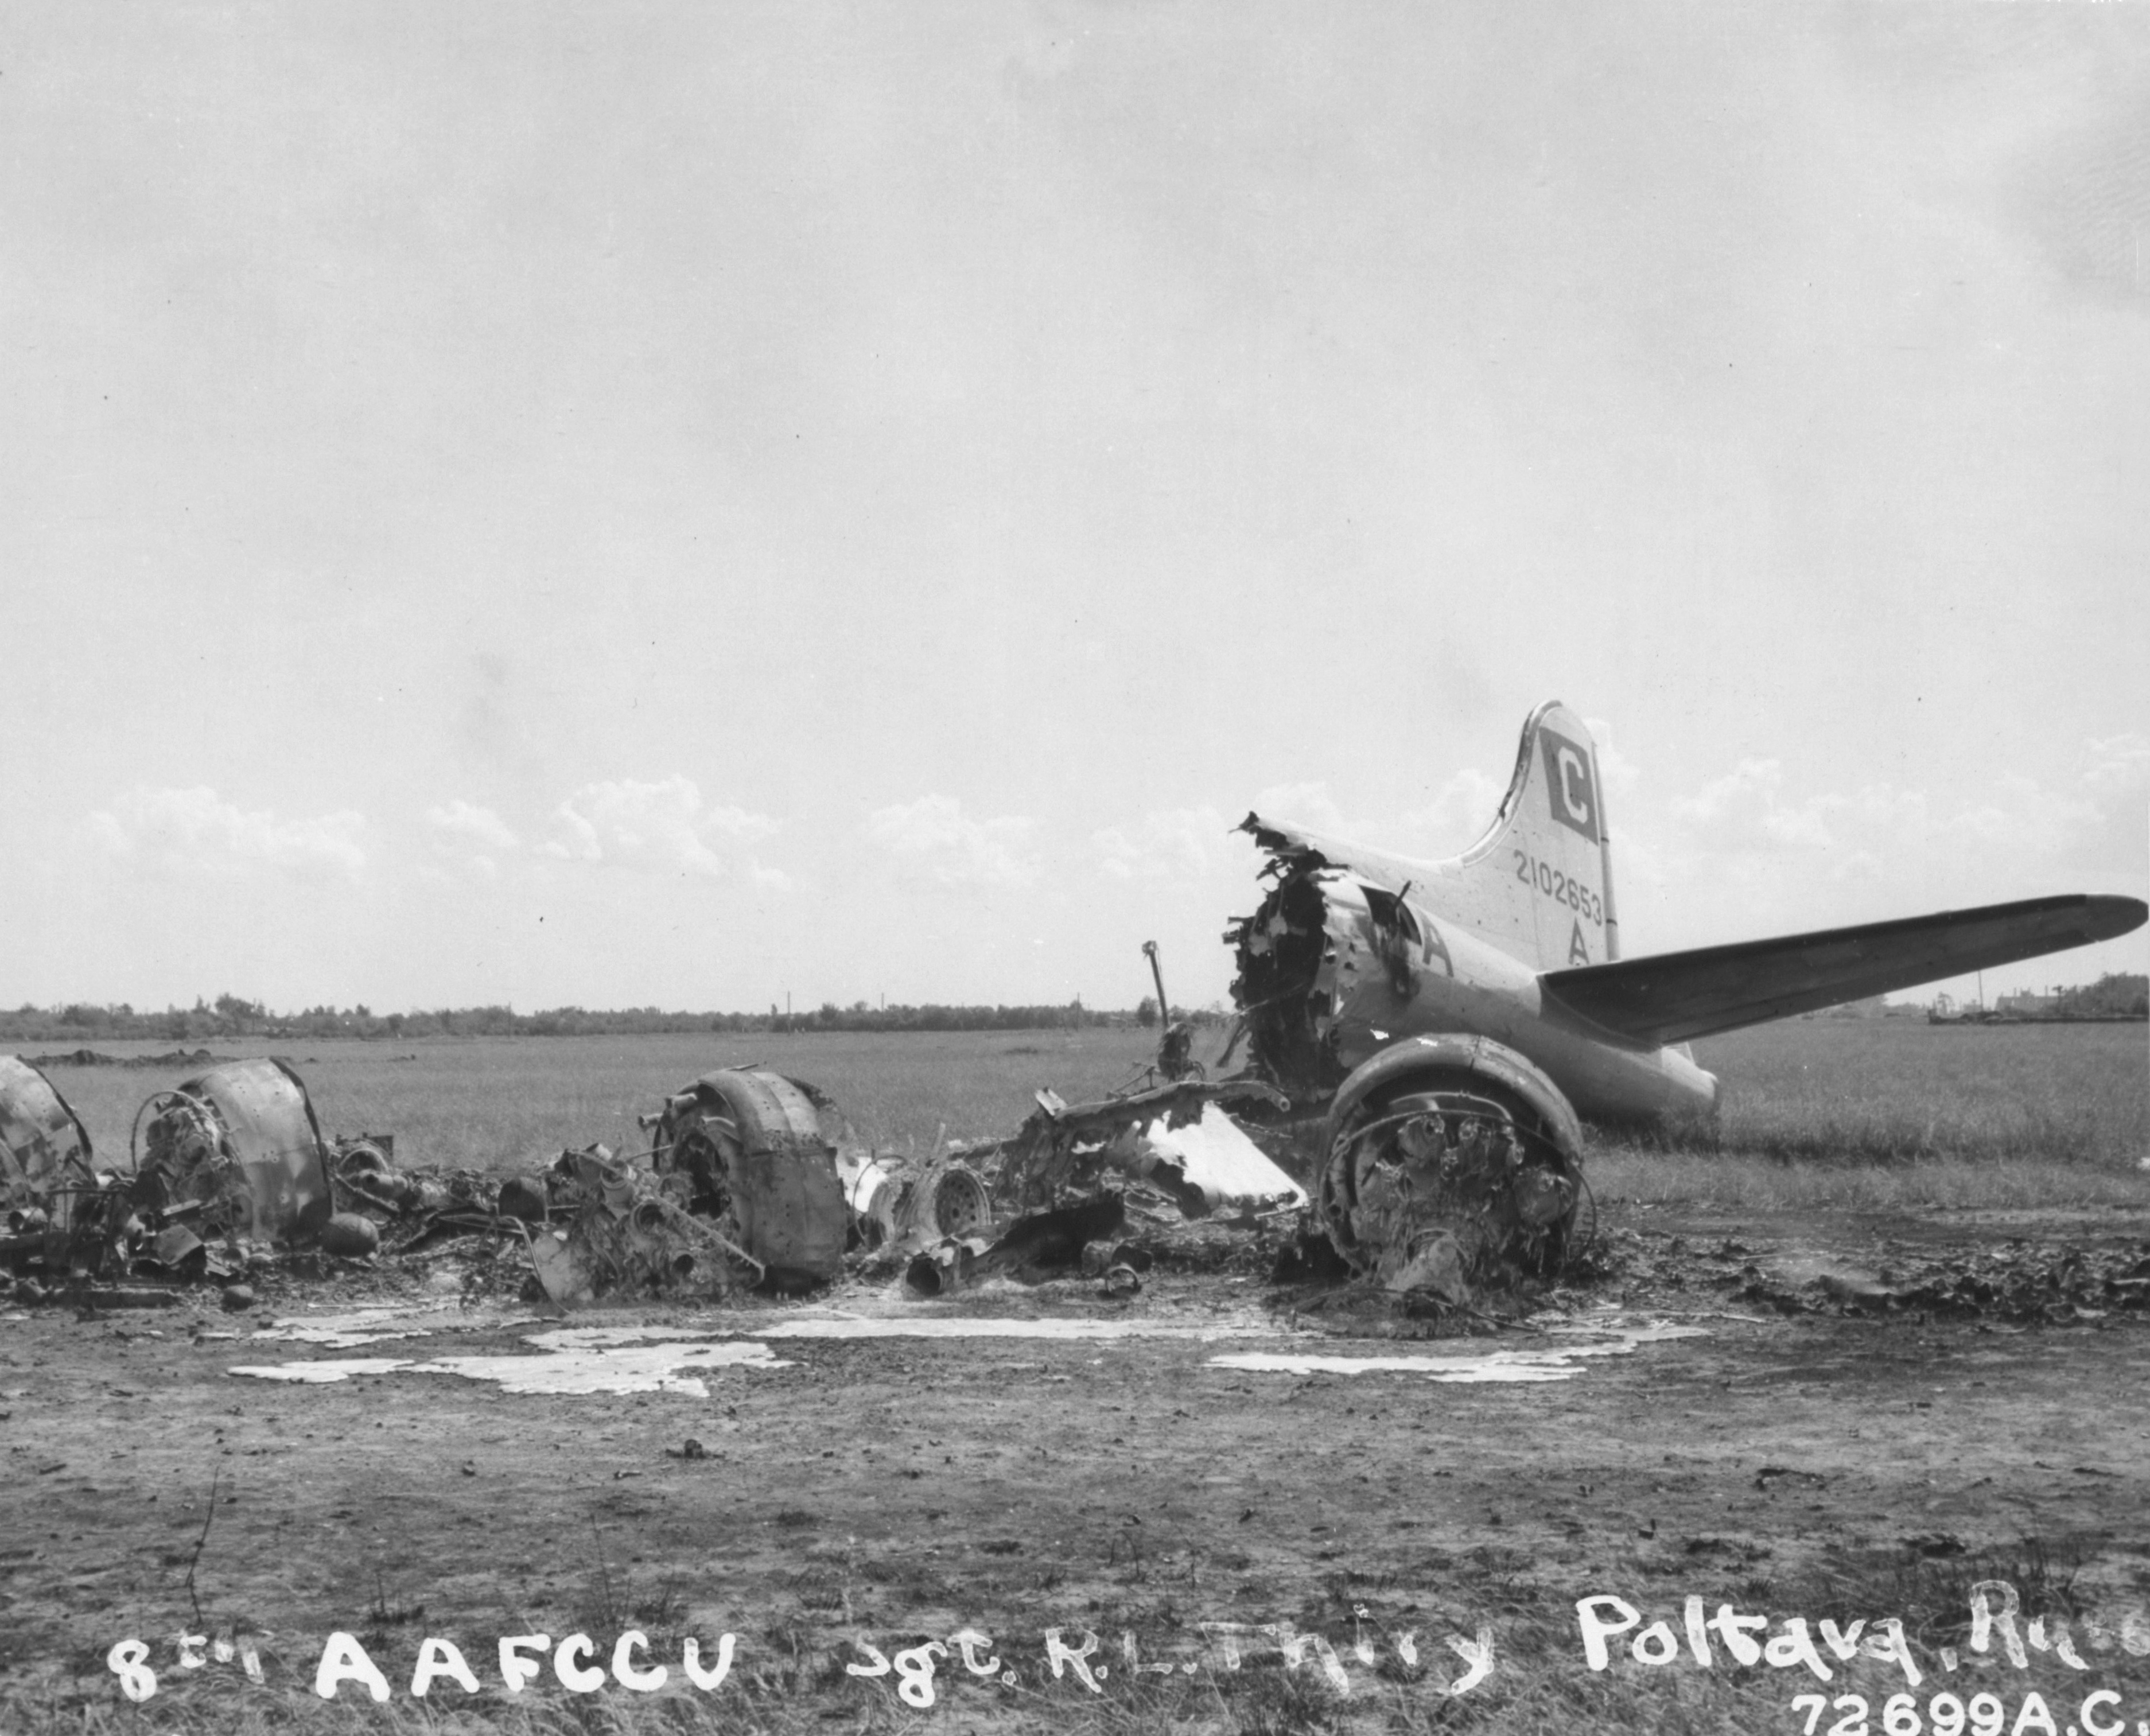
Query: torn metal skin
[(45, 1148), (1061, 1148), (241, 1143), (755, 1152)]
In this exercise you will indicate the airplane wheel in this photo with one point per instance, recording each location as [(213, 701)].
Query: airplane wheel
[(961, 1206)]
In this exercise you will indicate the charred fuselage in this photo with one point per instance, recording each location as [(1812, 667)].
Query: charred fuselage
[(1335, 966)]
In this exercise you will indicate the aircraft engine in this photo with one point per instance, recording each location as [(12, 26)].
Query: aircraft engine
[(753, 1150), (1447, 1157)]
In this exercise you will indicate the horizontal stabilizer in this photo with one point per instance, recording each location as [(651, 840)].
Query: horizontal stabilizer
[(1671, 997)]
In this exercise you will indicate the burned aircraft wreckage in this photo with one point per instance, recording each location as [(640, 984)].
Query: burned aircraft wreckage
[(754, 1182), (1422, 1039), (1458, 1017), (230, 1161)]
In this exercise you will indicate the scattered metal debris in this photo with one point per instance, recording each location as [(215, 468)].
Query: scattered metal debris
[(349, 1235), (950, 1264), (524, 1199), (1062, 1148), (230, 1176), (1066, 1176), (1038, 1242), (625, 1234), (2016, 1282)]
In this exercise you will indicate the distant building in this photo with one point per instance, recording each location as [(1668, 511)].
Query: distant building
[(2026, 1004)]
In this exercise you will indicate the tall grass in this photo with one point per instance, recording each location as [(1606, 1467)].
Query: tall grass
[(1898, 1090), (1889, 1114)]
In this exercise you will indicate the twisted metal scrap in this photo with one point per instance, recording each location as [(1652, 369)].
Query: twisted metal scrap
[(1063, 1148), (626, 1232)]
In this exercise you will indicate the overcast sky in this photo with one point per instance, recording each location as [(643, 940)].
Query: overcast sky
[(685, 505)]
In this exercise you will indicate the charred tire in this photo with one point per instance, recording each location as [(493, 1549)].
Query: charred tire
[(1470, 1094), (959, 1204)]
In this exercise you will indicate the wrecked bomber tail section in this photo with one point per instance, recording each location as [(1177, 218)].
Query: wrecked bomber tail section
[(1540, 882), (1537, 887)]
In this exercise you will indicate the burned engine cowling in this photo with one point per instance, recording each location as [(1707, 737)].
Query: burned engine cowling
[(44, 1146), (241, 1143), (1447, 1159), (752, 1152)]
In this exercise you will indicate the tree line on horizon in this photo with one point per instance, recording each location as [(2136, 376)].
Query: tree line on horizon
[(229, 1016)]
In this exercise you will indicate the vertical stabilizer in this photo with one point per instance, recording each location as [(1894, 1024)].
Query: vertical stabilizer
[(1539, 884)]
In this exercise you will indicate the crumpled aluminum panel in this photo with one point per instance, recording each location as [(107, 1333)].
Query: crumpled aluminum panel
[(40, 1138)]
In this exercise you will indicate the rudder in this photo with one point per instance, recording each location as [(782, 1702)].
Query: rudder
[(1540, 881)]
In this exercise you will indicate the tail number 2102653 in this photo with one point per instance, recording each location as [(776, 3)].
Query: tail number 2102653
[(1558, 887)]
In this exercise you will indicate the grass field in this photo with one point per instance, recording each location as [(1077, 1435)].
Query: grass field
[(1878, 1114), (1850, 1112)]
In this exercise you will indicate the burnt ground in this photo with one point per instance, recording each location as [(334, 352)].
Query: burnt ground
[(1820, 1452)]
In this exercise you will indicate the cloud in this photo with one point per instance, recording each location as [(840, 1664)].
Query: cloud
[(1457, 816), (1749, 788), (1171, 841), (472, 837), (196, 831), (467, 823), (1740, 856), (1618, 773), (2117, 766), (663, 828), (934, 837)]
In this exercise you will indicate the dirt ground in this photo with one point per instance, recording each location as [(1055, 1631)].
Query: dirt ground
[(873, 1493)]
